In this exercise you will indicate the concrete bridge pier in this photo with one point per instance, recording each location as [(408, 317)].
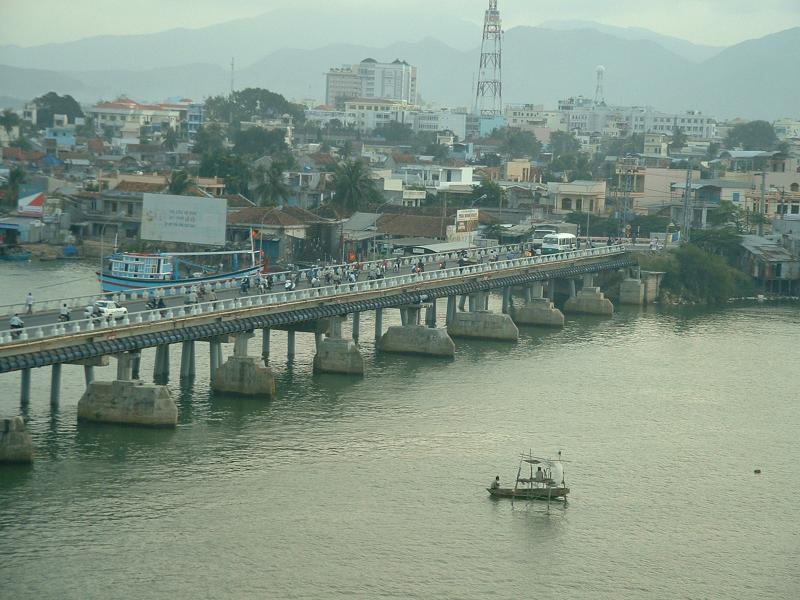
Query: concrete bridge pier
[(551, 289), (482, 324), (506, 300), (265, 335), (414, 338), (242, 374), (161, 366), (451, 309), (88, 374), (337, 354), (356, 326), (378, 325), (290, 345), (55, 384), (187, 360), (128, 401), (462, 303), (537, 310), (631, 291), (25, 386), (589, 300), (16, 444), (136, 364)]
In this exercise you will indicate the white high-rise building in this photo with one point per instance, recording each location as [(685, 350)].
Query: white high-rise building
[(396, 80)]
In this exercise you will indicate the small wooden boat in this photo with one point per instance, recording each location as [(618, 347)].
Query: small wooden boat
[(544, 483)]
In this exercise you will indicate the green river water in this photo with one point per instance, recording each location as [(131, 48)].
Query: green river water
[(375, 487)]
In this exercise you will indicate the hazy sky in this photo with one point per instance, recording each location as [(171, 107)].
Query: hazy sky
[(715, 22)]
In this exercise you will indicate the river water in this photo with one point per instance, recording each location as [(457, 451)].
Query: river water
[(374, 487)]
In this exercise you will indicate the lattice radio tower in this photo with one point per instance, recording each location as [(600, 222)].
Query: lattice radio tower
[(489, 92)]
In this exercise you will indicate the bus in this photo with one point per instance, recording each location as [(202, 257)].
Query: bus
[(554, 243)]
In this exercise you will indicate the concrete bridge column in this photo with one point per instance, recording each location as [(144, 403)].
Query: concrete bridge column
[(25, 386), (430, 315), (136, 364), (631, 291), (337, 354), (482, 324), (572, 291), (290, 345), (506, 300), (88, 374), (16, 444), (537, 309), (128, 401), (55, 384), (590, 300), (378, 325), (451, 309), (242, 374), (265, 335), (462, 302), (551, 289), (161, 366), (187, 360), (356, 326), (214, 357), (124, 366)]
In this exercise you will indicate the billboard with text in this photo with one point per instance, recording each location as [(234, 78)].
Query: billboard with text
[(188, 219), (466, 220)]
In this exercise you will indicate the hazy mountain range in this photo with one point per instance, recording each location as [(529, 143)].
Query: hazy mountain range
[(754, 79)]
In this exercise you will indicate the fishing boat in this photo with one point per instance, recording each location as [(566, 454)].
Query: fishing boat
[(14, 253), (125, 271), (537, 478)]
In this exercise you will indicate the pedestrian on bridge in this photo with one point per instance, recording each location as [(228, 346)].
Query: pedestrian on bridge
[(29, 304)]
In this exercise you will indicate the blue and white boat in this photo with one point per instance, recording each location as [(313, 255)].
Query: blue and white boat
[(126, 271)]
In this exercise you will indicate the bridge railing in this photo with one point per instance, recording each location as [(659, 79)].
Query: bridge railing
[(173, 290), (285, 297)]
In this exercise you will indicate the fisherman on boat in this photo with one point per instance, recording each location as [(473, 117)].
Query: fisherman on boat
[(496, 483)]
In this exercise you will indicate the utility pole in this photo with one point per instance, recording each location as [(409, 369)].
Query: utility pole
[(763, 205), (232, 71), (688, 209)]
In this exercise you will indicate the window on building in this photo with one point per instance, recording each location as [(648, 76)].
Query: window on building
[(794, 187), (566, 204)]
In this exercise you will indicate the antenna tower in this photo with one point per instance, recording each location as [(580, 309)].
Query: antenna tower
[(489, 92), (232, 71), (599, 96)]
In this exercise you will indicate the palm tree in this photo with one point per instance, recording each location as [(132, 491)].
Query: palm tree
[(8, 120), (15, 179), (354, 187), (271, 187), (170, 139), (178, 182)]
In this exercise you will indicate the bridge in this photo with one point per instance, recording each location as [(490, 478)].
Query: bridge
[(234, 318)]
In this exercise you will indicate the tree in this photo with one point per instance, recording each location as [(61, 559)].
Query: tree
[(517, 143), (439, 152), (52, 104), (86, 130), (678, 140), (754, 135), (354, 187), (170, 139), (16, 178), (488, 193), (179, 182), (713, 150), (232, 168), (257, 141), (490, 159), (209, 139), (727, 212), (8, 120), (563, 143), (395, 133), (243, 105), (270, 187)]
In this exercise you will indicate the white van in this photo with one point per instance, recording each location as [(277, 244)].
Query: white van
[(553, 243)]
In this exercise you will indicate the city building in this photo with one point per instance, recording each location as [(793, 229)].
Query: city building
[(577, 196), (396, 80)]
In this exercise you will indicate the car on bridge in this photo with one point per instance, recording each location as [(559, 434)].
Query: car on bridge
[(109, 308)]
